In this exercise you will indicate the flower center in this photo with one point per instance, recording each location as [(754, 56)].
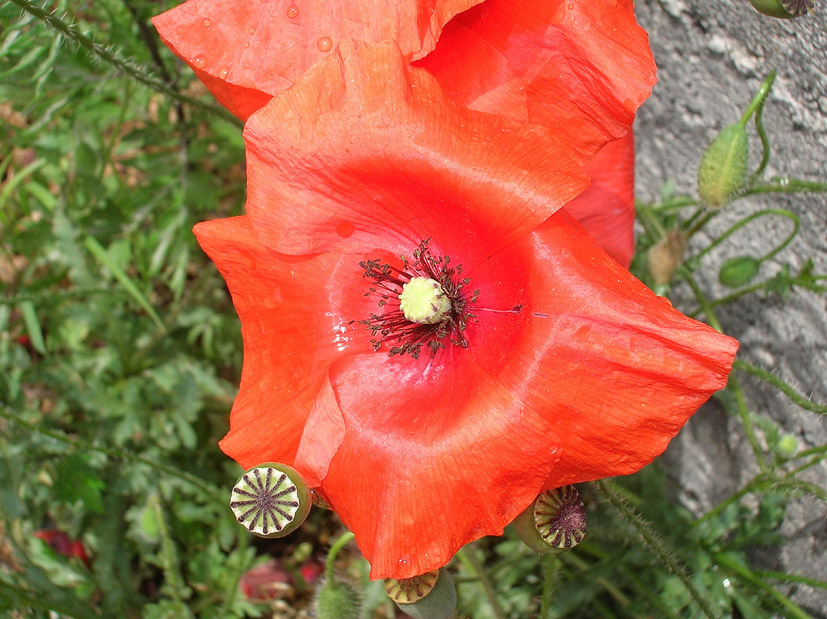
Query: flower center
[(422, 300), (424, 303)]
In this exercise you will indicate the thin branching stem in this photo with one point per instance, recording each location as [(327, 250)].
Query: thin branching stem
[(550, 568), (782, 386), (656, 546), (780, 212), (119, 454), (468, 559), (786, 185), (113, 58), (733, 385), (334, 551), (791, 608)]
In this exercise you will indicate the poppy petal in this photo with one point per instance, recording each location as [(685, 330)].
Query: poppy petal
[(246, 52), (615, 369), (416, 165), (578, 68), (426, 468), (607, 208), (288, 347)]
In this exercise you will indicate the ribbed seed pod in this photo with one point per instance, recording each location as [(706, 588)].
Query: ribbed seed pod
[(554, 522), (270, 500), (428, 596)]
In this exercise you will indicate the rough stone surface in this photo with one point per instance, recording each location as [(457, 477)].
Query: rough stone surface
[(712, 57)]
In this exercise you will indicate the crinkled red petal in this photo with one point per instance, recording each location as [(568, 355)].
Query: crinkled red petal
[(579, 68), (607, 208), (613, 368), (246, 52), (296, 319), (434, 455), (416, 165)]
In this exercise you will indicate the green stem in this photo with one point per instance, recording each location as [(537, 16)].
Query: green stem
[(765, 143), (655, 545), (750, 487), (645, 591), (731, 297), (786, 185), (743, 411), (758, 100), (702, 300), (746, 574), (168, 554), (337, 546), (696, 227), (782, 386), (649, 221), (810, 582), (550, 568), (781, 212), (732, 385), (142, 74), (81, 445), (584, 566), (471, 564)]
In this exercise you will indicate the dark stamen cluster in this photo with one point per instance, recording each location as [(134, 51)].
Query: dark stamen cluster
[(391, 327)]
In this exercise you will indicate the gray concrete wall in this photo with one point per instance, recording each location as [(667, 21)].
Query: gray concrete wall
[(712, 55)]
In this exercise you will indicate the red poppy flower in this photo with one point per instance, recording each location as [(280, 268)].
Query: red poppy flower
[(580, 69), (550, 364), (559, 64), (246, 52), (607, 208)]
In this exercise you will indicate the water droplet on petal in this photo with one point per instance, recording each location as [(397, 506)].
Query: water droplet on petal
[(207, 22), (246, 45), (223, 73), (344, 229), (325, 44), (199, 61), (252, 31), (292, 11)]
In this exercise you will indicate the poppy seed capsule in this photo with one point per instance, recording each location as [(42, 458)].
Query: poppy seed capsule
[(270, 500), (783, 8), (431, 595), (554, 522), (423, 301), (723, 168)]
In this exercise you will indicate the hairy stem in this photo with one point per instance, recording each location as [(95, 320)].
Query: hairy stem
[(107, 55), (655, 545)]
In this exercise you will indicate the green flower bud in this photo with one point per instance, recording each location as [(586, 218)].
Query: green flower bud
[(787, 447), (271, 500), (738, 271), (723, 168), (783, 8), (554, 522), (337, 600), (428, 596)]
